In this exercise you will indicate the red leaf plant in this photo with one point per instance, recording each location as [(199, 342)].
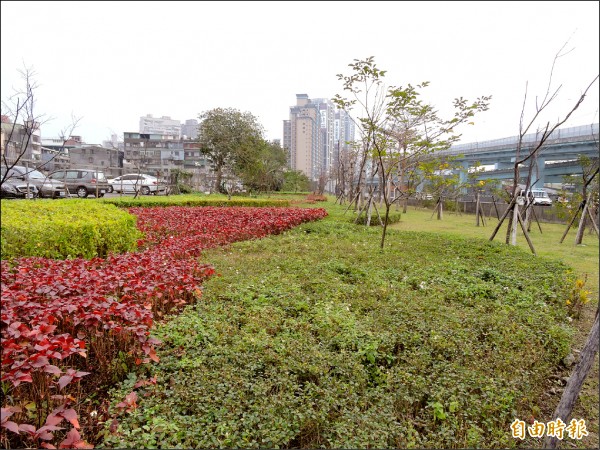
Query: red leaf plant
[(57, 315)]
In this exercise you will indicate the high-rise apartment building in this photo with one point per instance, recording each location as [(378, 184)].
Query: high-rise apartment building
[(314, 134), (326, 123), (303, 137), (344, 133)]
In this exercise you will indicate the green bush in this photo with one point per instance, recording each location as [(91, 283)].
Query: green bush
[(66, 228), (184, 188), (192, 200), (392, 218)]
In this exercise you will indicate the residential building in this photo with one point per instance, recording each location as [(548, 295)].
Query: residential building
[(160, 125), (54, 160), (302, 135), (189, 130), (114, 142), (20, 142), (344, 132), (326, 139), (61, 144), (105, 159), (160, 155), (314, 134)]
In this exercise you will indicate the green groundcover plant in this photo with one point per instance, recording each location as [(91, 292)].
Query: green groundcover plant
[(317, 338)]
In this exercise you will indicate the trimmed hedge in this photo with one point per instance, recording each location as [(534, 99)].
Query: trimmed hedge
[(193, 200), (68, 228)]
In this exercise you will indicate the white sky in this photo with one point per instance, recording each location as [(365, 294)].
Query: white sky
[(112, 62)]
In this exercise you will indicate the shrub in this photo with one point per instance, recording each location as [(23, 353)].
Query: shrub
[(392, 218), (193, 200), (184, 188), (67, 228)]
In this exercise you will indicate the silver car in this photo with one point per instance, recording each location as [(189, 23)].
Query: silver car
[(82, 182), (46, 187), (133, 182)]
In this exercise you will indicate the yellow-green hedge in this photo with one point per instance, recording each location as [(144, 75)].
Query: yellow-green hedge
[(66, 228), (192, 200)]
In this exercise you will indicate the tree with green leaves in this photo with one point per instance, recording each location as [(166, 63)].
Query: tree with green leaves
[(264, 170), (443, 179), (395, 127), (295, 181), (230, 139)]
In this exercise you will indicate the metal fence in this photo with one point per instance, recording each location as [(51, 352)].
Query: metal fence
[(547, 214)]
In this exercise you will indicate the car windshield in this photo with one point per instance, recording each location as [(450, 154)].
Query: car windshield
[(36, 174), (101, 176), (32, 173)]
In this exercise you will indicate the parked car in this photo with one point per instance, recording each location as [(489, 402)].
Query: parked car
[(82, 182), (133, 182), (540, 197), (423, 196), (46, 187), (18, 189)]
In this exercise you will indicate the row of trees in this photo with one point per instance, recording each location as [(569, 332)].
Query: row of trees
[(401, 137), (398, 131)]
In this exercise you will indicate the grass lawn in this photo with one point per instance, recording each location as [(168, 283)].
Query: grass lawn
[(316, 338), (584, 259)]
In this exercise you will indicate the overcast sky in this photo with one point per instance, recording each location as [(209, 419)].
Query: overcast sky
[(110, 63)]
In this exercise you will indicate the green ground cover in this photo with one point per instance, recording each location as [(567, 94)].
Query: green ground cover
[(316, 338)]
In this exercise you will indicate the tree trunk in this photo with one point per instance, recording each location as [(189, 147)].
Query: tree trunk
[(513, 229), (219, 175), (385, 223), (582, 222), (528, 217), (477, 209)]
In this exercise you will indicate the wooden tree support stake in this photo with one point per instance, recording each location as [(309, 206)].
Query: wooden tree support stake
[(573, 387), (525, 233)]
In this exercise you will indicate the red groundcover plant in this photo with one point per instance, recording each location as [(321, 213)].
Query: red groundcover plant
[(62, 320)]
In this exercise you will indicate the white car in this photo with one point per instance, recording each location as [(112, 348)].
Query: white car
[(539, 197), (133, 182)]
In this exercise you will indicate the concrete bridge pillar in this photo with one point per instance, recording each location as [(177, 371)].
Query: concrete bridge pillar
[(463, 175), (539, 173), (463, 171)]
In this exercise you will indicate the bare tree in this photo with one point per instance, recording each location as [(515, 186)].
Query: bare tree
[(527, 154), (20, 127), (590, 170)]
